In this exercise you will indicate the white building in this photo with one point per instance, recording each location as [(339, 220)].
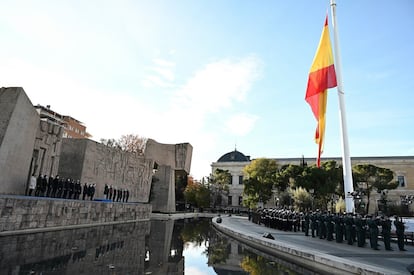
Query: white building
[(402, 166), (234, 162)]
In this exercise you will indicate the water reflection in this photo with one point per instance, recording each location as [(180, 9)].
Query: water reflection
[(156, 247), (111, 249)]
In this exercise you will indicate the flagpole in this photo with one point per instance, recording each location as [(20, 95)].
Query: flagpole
[(346, 159)]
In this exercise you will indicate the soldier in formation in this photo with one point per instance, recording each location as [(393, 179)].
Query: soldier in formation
[(57, 187), (399, 230), (353, 228)]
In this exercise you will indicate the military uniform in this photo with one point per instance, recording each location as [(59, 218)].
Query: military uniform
[(348, 220), (306, 224), (314, 224), (373, 232), (359, 227), (399, 226), (386, 232)]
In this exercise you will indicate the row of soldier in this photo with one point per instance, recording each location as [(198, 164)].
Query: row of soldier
[(116, 194), (352, 228), (56, 187)]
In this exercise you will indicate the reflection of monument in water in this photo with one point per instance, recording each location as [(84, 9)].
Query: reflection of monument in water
[(105, 249), (225, 255), (164, 253), (232, 263), (129, 248)]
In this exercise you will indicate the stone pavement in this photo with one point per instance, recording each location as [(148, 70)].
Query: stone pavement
[(325, 256)]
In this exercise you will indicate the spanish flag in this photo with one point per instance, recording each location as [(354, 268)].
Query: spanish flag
[(321, 77)]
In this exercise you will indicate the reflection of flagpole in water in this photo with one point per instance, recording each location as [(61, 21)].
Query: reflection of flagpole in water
[(346, 159)]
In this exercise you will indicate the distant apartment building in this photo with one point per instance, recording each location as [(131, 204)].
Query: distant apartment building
[(72, 128)]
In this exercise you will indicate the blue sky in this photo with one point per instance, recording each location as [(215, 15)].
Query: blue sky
[(216, 74)]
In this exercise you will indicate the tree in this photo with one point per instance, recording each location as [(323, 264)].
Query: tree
[(373, 178), (128, 143), (219, 185), (340, 205), (302, 199), (190, 192), (194, 232), (181, 181), (260, 176), (322, 180), (257, 265), (218, 249), (197, 194), (286, 175), (110, 143), (203, 196), (133, 143), (334, 177)]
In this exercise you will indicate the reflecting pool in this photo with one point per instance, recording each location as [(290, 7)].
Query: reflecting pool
[(187, 246)]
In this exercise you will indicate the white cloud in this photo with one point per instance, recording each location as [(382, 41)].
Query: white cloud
[(241, 124), (110, 113), (165, 73), (219, 84), (161, 74), (163, 63), (106, 114), (155, 81), (211, 92)]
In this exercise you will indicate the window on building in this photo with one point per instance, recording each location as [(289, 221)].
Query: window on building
[(229, 200), (240, 179), (240, 200), (401, 181)]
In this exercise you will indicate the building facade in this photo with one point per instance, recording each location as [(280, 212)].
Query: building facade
[(72, 128), (402, 166), (233, 162)]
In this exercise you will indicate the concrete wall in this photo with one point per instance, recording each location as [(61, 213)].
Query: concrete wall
[(22, 213), (18, 125), (77, 251), (93, 162), (170, 158), (163, 190), (177, 156), (46, 150)]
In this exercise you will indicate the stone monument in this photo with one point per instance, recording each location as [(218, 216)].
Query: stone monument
[(172, 160), (19, 123)]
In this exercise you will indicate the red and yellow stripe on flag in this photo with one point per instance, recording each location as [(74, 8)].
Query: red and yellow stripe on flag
[(321, 77)]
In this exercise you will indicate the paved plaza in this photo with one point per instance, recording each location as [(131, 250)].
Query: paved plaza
[(353, 259)]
